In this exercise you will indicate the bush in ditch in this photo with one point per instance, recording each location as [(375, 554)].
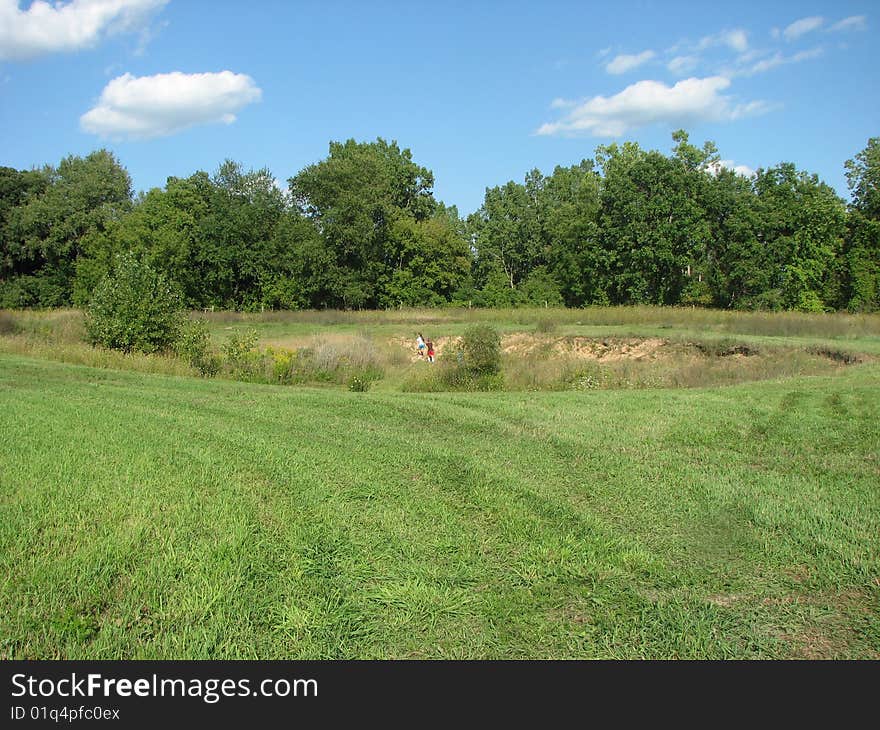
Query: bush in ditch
[(473, 362), (193, 344), (479, 351)]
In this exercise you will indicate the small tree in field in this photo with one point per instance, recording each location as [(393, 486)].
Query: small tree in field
[(134, 308), (474, 361), (481, 350)]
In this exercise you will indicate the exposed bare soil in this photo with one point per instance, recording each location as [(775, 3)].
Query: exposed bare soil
[(587, 348)]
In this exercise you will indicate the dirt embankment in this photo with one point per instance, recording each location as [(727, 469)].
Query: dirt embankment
[(586, 348)]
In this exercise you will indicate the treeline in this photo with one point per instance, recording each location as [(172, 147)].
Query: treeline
[(362, 229)]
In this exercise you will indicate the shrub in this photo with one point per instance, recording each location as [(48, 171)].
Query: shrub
[(8, 325), (453, 376), (241, 358), (841, 356), (239, 346), (193, 344), (726, 347), (480, 350), (471, 363), (283, 362), (134, 307), (583, 378), (359, 384)]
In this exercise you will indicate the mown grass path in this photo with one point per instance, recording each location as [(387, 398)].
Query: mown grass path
[(158, 517)]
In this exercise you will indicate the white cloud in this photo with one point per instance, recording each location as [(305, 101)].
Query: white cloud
[(749, 55), (802, 27), (623, 63), (853, 22), (806, 55), (147, 34), (68, 26), (682, 65), (133, 107), (779, 59), (766, 64), (648, 102), (743, 170), (736, 39)]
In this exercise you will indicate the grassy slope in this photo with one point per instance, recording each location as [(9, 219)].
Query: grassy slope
[(161, 517)]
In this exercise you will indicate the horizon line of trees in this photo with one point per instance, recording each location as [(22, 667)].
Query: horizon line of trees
[(362, 229)]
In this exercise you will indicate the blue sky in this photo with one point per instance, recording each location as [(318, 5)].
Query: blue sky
[(481, 92)]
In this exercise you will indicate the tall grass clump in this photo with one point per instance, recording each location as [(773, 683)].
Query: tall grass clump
[(325, 361), (335, 362), (53, 325)]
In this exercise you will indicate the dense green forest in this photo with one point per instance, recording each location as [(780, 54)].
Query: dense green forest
[(362, 229)]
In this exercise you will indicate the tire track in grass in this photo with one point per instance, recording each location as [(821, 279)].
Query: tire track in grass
[(231, 439), (548, 553), (499, 537), (461, 481), (68, 593), (146, 434)]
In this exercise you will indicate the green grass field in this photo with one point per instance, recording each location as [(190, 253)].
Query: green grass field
[(161, 516)]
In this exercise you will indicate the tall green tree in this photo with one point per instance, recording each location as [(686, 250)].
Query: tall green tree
[(654, 228), (165, 229), (304, 273), (568, 210), (734, 265), (506, 232), (861, 256), (801, 227), (863, 177), (432, 262), (237, 252), (355, 197), (82, 198), (213, 236), (18, 286)]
